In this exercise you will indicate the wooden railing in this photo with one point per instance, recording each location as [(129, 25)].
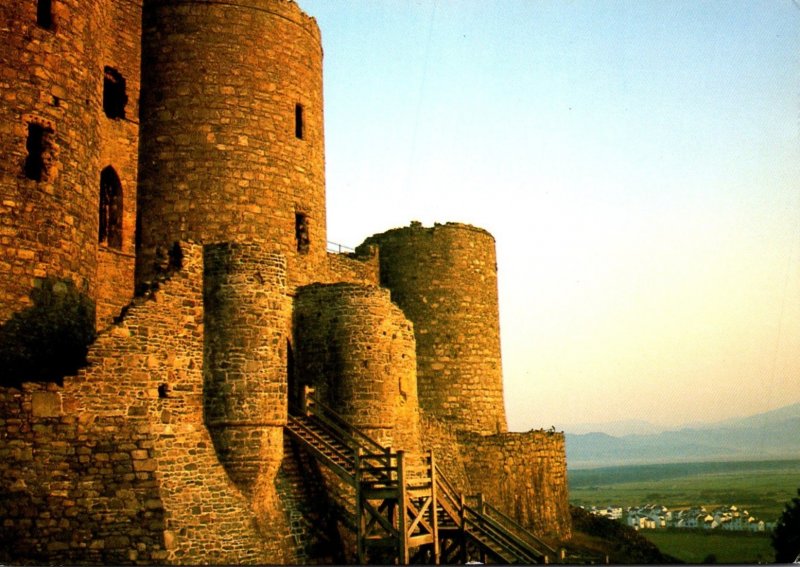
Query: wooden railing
[(403, 508), (513, 527)]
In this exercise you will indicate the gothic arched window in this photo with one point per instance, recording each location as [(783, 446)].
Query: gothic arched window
[(110, 232)]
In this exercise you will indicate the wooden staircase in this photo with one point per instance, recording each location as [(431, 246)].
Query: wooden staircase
[(404, 510)]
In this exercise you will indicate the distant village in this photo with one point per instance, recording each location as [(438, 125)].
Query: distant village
[(652, 517)]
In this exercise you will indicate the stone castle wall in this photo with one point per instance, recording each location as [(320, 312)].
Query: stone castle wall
[(56, 139), (72, 490), (119, 149), (445, 280), (361, 268), (524, 475), (140, 478), (225, 156)]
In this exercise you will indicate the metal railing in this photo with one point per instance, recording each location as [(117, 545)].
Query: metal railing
[(337, 248)]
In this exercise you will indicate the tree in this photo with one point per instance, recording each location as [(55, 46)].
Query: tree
[(786, 536)]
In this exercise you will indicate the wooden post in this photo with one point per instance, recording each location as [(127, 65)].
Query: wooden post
[(402, 536), (306, 402), (462, 536), (361, 520), (482, 512), (434, 510)]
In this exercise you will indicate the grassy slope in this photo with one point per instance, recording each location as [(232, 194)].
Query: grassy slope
[(694, 547)]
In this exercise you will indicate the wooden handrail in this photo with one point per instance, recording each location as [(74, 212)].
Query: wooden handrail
[(332, 419), (519, 530), (500, 534)]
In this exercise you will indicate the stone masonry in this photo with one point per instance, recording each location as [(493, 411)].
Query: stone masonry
[(166, 293)]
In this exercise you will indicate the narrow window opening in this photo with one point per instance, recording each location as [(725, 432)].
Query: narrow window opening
[(38, 146), (301, 232), (299, 126), (44, 14), (163, 391), (114, 97), (110, 231)]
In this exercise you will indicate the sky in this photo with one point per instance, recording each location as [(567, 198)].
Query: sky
[(638, 164)]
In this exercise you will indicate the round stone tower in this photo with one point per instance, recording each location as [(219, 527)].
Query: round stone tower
[(69, 138), (232, 129), (356, 348), (246, 333), (445, 280)]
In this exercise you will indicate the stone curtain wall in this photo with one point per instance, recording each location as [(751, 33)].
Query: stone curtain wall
[(524, 475), (443, 440), (357, 349), (355, 268), (133, 424), (220, 156), (445, 280), (72, 489)]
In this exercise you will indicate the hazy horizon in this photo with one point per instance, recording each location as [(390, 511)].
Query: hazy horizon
[(637, 163)]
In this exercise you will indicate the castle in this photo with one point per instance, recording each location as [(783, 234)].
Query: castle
[(167, 298)]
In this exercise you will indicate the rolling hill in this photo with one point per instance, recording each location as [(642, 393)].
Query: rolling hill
[(770, 435)]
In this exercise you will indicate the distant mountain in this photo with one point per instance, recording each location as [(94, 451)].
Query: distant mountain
[(770, 435), (616, 428)]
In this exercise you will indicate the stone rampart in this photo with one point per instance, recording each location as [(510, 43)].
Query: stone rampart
[(361, 268), (524, 475)]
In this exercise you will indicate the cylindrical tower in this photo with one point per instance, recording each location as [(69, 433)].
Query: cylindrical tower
[(246, 332), (232, 129), (445, 280), (49, 139), (356, 349)]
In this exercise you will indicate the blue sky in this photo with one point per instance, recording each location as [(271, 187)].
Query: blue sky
[(637, 162)]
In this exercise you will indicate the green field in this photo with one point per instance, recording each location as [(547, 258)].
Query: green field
[(761, 488), (726, 547)]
